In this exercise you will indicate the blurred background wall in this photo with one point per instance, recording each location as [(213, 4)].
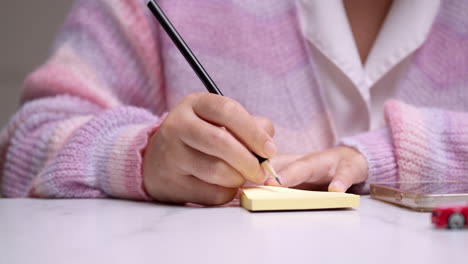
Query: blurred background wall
[(27, 29)]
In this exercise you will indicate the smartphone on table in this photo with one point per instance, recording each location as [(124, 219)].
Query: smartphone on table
[(421, 196)]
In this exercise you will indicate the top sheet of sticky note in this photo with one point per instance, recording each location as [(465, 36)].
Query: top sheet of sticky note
[(270, 198)]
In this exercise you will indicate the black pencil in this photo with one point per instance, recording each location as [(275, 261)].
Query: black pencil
[(197, 67)]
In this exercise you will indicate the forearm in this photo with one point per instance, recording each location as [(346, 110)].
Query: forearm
[(74, 149), (87, 112), (418, 144)]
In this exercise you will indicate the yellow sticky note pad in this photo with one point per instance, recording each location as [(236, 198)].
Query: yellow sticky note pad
[(271, 198)]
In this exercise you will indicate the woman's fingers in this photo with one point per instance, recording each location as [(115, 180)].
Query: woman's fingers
[(338, 168), (266, 124), (348, 172), (218, 142), (313, 167), (209, 169), (202, 152), (280, 162), (190, 189), (228, 113)]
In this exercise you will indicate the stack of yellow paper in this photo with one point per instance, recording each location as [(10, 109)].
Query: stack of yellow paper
[(270, 198)]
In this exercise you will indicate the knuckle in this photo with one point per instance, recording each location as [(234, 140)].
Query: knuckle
[(230, 107), (217, 169), (191, 128), (346, 166), (216, 137), (189, 133), (179, 119), (207, 101)]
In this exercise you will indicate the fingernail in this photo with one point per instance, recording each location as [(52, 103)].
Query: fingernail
[(269, 148), (336, 186)]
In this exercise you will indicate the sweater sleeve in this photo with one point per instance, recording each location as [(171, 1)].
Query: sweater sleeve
[(87, 114), (418, 144)]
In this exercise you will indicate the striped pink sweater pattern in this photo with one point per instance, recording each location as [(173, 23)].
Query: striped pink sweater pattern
[(87, 113)]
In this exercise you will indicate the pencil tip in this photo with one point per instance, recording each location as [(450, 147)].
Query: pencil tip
[(268, 167), (278, 180)]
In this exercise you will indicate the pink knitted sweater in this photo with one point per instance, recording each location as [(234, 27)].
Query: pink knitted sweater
[(88, 112)]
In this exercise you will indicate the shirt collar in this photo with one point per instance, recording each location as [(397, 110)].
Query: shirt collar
[(407, 25)]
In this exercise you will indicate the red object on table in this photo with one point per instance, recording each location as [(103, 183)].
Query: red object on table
[(452, 216)]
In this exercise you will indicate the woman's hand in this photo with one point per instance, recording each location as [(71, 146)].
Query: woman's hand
[(336, 169), (202, 151)]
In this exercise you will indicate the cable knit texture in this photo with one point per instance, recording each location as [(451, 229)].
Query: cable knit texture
[(88, 112)]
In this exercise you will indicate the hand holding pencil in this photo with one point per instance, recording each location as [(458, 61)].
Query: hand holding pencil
[(208, 145), (201, 153)]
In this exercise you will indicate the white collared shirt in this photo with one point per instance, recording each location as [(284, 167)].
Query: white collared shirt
[(355, 93)]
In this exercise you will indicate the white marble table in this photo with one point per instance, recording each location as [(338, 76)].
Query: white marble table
[(113, 231)]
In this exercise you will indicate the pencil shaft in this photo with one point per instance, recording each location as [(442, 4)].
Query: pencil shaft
[(183, 48)]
